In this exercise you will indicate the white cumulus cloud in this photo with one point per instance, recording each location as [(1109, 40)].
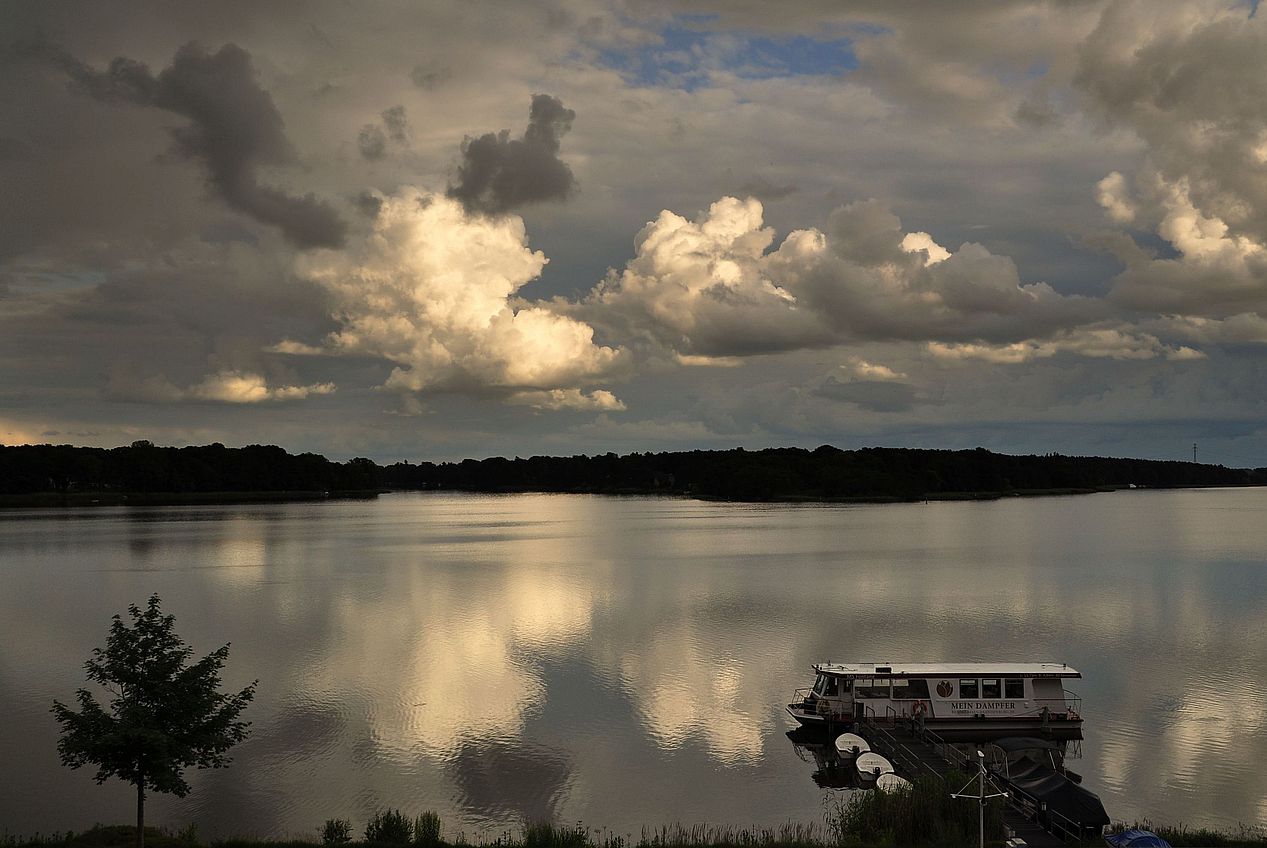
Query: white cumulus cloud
[(1095, 343), (599, 399), (432, 289), (228, 385), (717, 287), (243, 387), (1190, 83)]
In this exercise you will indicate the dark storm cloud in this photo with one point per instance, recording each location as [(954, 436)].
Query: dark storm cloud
[(369, 203), (234, 128), (499, 174), (876, 395), (397, 124), (372, 142), (430, 78), (766, 191)]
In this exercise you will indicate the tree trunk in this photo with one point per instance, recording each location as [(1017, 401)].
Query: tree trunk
[(140, 813)]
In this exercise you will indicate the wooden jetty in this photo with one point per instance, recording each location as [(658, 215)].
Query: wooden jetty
[(916, 752)]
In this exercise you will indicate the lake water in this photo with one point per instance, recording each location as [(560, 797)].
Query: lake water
[(625, 661)]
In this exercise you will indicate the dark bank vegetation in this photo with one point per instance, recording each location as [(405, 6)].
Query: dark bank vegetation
[(825, 473), (1200, 837), (145, 473), (924, 817)]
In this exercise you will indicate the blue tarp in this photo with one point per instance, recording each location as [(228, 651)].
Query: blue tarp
[(1136, 839)]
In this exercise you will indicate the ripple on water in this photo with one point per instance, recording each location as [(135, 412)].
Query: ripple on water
[(625, 661)]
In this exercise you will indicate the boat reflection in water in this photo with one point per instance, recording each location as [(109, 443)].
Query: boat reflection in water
[(842, 761), (831, 771), (1032, 771)]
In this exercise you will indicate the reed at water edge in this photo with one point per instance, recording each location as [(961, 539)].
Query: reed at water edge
[(921, 816)]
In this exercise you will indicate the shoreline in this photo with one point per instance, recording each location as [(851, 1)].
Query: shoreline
[(838, 830), (76, 500)]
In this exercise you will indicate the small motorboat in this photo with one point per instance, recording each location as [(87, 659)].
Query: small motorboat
[(871, 765), (891, 783), (850, 745)]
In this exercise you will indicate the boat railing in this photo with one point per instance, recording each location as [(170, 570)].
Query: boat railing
[(892, 748), (1020, 800), (833, 709), (1051, 820), (958, 757), (1068, 708), (952, 754)]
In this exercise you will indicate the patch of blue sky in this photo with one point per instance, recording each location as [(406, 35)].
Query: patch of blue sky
[(803, 56), (687, 57)]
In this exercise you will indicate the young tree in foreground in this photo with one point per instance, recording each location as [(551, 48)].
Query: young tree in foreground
[(164, 716)]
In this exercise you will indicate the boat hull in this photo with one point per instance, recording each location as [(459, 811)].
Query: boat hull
[(966, 729), (808, 718), (989, 729)]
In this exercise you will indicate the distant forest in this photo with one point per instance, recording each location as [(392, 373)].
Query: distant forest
[(143, 472)]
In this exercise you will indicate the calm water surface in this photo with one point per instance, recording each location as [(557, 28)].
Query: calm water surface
[(625, 661)]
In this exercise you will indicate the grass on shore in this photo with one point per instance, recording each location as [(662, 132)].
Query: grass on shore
[(922, 817), (1201, 837)]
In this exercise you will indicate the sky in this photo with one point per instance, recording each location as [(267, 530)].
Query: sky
[(428, 231)]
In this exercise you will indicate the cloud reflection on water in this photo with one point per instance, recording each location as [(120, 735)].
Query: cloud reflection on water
[(625, 661)]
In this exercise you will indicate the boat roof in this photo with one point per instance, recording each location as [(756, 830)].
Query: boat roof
[(947, 669)]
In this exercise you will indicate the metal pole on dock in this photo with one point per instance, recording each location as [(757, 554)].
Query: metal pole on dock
[(980, 797)]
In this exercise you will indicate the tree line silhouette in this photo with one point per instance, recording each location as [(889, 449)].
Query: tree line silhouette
[(143, 467), (825, 473)]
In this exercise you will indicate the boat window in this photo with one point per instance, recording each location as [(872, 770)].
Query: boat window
[(871, 687), (833, 687), (990, 688), (1014, 687), (819, 684), (968, 688), (910, 690)]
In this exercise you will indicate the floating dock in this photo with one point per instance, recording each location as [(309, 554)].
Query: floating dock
[(916, 752)]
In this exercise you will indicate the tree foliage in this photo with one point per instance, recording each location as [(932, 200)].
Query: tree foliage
[(164, 714), (825, 473), (143, 467)]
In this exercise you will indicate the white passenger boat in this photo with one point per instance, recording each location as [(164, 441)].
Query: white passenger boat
[(960, 701)]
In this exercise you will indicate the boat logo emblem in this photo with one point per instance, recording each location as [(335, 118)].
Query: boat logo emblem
[(943, 689)]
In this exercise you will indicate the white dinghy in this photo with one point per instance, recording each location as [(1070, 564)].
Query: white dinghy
[(850, 745), (891, 783), (871, 765)]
